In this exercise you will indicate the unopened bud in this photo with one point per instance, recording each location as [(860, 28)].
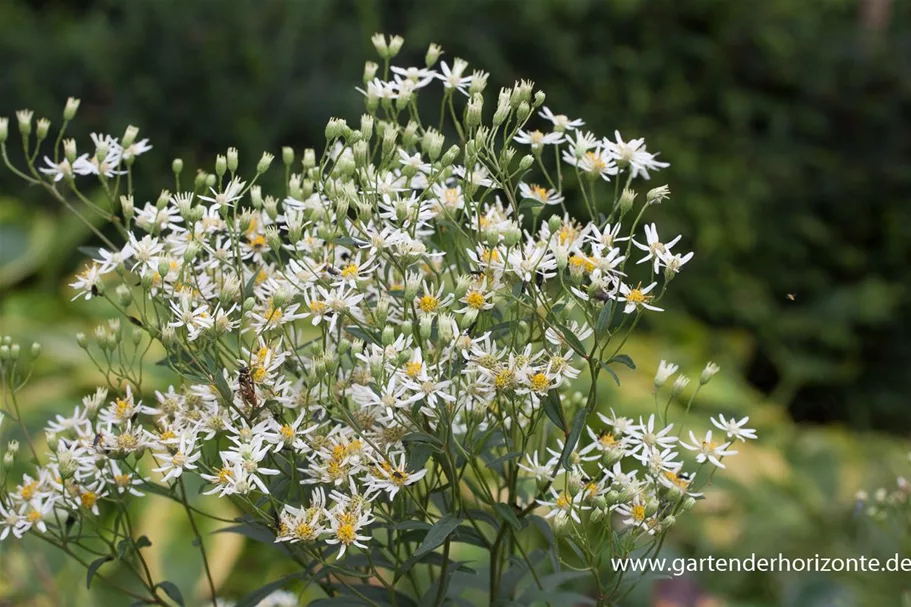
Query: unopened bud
[(433, 54), (708, 373), (42, 128), (221, 165), (232, 159), (69, 110)]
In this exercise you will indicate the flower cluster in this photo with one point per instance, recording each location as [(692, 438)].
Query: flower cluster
[(396, 336)]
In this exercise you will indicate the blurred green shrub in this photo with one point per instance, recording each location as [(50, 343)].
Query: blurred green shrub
[(787, 123)]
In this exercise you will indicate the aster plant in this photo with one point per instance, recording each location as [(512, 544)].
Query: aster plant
[(399, 368)]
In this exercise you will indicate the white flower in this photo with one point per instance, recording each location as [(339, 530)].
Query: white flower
[(632, 153), (542, 195), (665, 370), (561, 123), (734, 428), (637, 297), (537, 140), (453, 78), (656, 250), (708, 450)]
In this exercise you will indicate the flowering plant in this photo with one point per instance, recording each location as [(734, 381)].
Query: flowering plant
[(381, 366)]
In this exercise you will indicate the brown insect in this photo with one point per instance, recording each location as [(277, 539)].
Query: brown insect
[(246, 387), (792, 297)]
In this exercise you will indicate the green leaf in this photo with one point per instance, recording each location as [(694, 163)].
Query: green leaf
[(172, 591), (93, 568), (573, 341), (610, 372), (363, 335), (573, 437), (623, 359), (504, 458), (554, 409), (438, 534), (508, 515)]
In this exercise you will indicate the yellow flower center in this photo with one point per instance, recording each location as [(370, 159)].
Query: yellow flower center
[(28, 491), (346, 533), (122, 408), (538, 192), (504, 379), (350, 270), (258, 374), (34, 516), (413, 368), (596, 163), (287, 432), (638, 512), (637, 297), (89, 498), (224, 475), (317, 307), (563, 502), (475, 299), (258, 242), (122, 480), (539, 382), (428, 303)]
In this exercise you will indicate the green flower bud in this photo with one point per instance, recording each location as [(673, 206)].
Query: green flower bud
[(4, 129), (433, 55), (81, 340), (43, 126), (36, 349), (287, 155), (124, 295), (177, 166), (24, 118), (221, 165), (69, 110), (264, 163)]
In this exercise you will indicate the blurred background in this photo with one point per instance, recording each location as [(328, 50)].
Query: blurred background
[(787, 124)]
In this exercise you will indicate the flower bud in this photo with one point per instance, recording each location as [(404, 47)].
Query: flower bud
[(686, 505), (81, 340), (626, 200), (450, 156), (42, 128), (473, 111), (370, 68), (426, 326), (221, 165), (708, 373), (679, 384), (388, 335), (309, 160), (124, 295), (52, 441), (177, 166), (395, 45), (287, 155), (4, 353), (35, 350), (264, 163), (523, 112), (656, 195), (539, 98), (526, 161), (379, 43), (24, 118), (232, 159), (14, 351), (554, 223), (129, 136), (69, 110), (13, 447), (478, 82), (4, 129), (433, 55)]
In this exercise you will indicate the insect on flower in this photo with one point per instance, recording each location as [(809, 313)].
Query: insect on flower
[(246, 387)]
